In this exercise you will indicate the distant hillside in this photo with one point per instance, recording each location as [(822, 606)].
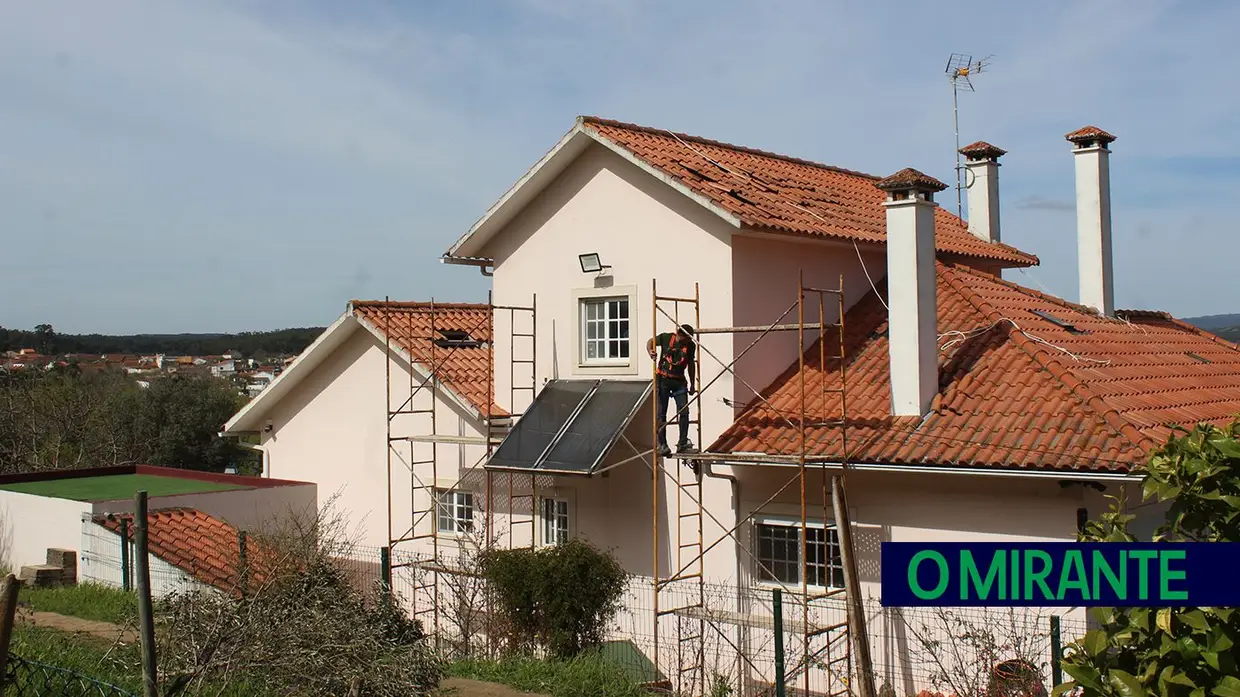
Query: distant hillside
[(1214, 322), (251, 344), (1230, 333)]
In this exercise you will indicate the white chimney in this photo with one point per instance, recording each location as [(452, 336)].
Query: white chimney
[(982, 174), (912, 325), (1093, 217)]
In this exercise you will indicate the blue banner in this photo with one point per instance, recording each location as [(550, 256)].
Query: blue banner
[(1061, 574)]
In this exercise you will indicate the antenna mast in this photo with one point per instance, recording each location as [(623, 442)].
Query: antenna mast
[(960, 66)]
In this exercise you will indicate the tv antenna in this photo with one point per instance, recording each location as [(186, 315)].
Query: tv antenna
[(960, 69)]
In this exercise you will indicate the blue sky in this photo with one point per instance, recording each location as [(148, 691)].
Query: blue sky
[(171, 166)]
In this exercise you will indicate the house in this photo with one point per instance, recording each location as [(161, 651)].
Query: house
[(976, 408)]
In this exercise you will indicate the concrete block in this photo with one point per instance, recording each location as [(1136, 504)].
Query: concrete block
[(42, 575)]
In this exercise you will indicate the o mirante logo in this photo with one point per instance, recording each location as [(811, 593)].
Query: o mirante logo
[(1060, 574)]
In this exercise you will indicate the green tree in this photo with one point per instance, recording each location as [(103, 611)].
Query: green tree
[(180, 419), (1170, 652)]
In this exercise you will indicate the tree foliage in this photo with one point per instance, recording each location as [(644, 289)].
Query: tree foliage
[(46, 341), (66, 419), (557, 598), (1171, 652)]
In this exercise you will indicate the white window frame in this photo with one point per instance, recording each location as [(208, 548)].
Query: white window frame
[(605, 366), (545, 523), (460, 502), (778, 521), (607, 305)]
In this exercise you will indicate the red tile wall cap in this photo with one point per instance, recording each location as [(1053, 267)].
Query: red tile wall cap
[(909, 178), (1090, 134), (982, 150)]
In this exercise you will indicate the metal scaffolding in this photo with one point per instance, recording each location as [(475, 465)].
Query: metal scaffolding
[(428, 345), (830, 647)]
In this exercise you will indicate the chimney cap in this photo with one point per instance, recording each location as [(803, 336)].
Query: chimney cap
[(981, 150), (1090, 134), (909, 178)]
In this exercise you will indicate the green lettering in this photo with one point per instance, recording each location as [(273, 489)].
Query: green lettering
[(943, 574), (1166, 574), (1102, 567), (1015, 579), (1038, 577), (1074, 564), (969, 575), (1143, 577)]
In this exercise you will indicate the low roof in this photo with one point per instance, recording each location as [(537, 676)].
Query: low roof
[(749, 188), (1026, 380), (122, 482), (204, 547)]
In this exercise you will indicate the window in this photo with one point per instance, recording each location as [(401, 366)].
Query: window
[(779, 553), (605, 330), (456, 511), (554, 521)]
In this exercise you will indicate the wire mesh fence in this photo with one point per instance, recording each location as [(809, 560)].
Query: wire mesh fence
[(720, 634), (26, 678)]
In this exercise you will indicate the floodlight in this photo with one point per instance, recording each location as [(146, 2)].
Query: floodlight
[(590, 263)]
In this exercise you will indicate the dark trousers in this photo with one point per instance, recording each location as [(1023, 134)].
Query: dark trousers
[(677, 391)]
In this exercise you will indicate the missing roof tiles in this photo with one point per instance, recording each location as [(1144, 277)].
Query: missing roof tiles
[(1196, 357), (455, 338), (697, 172), (1061, 323), (734, 193)]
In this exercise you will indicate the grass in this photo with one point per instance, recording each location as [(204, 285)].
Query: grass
[(586, 675), (93, 658), (90, 601), (113, 487)]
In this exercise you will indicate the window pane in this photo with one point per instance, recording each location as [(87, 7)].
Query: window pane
[(592, 350), (592, 330), (592, 310), (779, 552), (622, 309), (624, 350)]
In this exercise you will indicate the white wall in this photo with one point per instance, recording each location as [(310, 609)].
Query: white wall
[(35, 523)]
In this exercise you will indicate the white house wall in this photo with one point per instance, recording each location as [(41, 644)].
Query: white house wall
[(330, 430)]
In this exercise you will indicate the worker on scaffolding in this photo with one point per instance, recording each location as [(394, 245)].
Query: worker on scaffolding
[(674, 382)]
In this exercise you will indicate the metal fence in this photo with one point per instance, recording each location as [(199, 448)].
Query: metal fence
[(25, 678), (732, 637)]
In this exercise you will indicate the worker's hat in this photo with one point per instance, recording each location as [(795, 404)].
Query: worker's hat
[(687, 329)]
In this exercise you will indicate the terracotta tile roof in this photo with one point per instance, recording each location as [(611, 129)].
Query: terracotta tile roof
[(204, 547), (464, 369), (1090, 133), (982, 150), (781, 194), (1068, 389)]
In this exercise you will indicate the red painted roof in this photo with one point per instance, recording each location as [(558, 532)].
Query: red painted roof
[(1017, 390), (415, 327), (785, 195), (204, 547)]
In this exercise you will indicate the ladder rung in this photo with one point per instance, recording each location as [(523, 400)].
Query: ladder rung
[(690, 515), (674, 579), (687, 639), (522, 334), (691, 544), (678, 609)]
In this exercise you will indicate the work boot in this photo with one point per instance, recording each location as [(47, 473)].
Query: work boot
[(664, 451), (685, 446)]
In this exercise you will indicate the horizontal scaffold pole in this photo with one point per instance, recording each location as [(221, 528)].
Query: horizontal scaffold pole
[(766, 328)]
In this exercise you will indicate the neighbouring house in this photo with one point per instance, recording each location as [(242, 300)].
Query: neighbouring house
[(977, 409), (69, 510)]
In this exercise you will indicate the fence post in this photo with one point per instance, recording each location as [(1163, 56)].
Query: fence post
[(126, 563), (777, 600), (8, 606), (385, 569), (243, 573), (1056, 650), (146, 619)]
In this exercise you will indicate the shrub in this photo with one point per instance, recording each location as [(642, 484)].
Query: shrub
[(1174, 652), (559, 598), (303, 626)]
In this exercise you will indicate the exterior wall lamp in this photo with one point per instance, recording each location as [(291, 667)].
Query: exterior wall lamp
[(590, 263)]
